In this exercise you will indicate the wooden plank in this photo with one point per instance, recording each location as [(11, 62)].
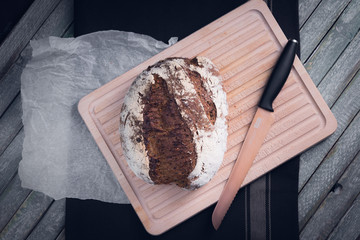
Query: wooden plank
[(318, 24), (14, 195), (58, 21), (52, 224), (348, 227), (9, 160), (27, 216), (10, 124), (335, 42), (329, 171), (69, 33), (31, 21), (56, 25), (335, 205), (306, 8), (61, 235), (10, 83), (344, 109), (339, 75), (10, 200)]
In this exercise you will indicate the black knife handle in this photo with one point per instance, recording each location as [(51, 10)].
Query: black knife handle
[(279, 75)]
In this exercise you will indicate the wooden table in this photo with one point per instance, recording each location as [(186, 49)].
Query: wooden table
[(329, 184)]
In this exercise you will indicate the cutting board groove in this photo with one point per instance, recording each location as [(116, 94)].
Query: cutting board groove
[(244, 45)]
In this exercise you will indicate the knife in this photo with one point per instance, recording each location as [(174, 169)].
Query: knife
[(257, 132)]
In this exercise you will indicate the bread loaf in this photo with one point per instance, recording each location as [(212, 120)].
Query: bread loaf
[(172, 123)]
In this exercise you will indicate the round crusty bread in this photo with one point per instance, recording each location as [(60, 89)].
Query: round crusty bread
[(172, 123)]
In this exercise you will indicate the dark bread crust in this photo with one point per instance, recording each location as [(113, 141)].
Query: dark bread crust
[(204, 95), (167, 138)]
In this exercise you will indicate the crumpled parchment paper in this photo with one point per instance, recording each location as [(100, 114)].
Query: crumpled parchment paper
[(60, 157)]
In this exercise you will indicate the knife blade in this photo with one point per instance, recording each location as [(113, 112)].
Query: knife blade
[(257, 132)]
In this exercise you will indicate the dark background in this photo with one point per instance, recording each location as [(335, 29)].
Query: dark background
[(10, 13)]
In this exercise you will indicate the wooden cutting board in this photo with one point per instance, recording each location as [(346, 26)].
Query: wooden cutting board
[(244, 44)]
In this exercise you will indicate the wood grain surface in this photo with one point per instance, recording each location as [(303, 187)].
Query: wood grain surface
[(328, 11), (348, 226), (339, 199), (20, 213)]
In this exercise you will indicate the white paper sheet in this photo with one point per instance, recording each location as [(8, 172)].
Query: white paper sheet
[(60, 157)]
